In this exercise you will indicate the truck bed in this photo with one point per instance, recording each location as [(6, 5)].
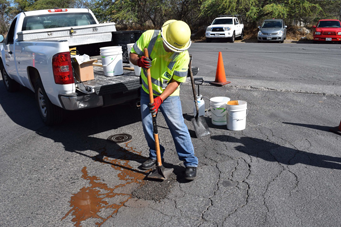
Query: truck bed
[(107, 85)]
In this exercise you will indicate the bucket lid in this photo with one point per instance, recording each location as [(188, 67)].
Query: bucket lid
[(219, 99), (236, 105), (111, 48)]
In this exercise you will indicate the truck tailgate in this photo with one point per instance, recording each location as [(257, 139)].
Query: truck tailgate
[(106, 85), (76, 36)]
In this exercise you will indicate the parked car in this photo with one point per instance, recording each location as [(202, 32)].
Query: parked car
[(272, 30), (327, 30), (225, 26)]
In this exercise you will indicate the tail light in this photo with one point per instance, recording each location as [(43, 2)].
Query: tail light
[(62, 69), (57, 10)]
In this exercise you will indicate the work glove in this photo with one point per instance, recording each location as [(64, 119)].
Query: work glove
[(154, 107), (144, 62)]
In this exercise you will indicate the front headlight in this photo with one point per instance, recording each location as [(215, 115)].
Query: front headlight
[(339, 33), (280, 33), (317, 33), (208, 29), (260, 33), (227, 29)]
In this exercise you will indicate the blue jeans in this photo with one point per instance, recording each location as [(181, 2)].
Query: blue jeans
[(172, 112)]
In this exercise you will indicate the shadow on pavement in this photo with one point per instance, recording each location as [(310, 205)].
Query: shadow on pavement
[(76, 133), (318, 127), (272, 152)]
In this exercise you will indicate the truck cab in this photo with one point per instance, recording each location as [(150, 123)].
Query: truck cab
[(225, 27), (327, 30)]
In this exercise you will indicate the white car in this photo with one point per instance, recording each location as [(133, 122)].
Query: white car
[(225, 27)]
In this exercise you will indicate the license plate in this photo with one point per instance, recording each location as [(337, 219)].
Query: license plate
[(268, 38), (328, 39)]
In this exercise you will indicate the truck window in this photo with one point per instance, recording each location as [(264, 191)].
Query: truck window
[(57, 20), (222, 21), (10, 35), (329, 24)]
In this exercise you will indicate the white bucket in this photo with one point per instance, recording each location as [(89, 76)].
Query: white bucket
[(201, 106), (129, 46), (137, 69), (218, 110), (236, 115), (112, 60)]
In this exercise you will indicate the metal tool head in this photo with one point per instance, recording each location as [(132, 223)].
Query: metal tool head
[(198, 81), (160, 173), (200, 127)]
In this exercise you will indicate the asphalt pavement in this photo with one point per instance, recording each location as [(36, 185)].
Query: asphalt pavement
[(283, 169)]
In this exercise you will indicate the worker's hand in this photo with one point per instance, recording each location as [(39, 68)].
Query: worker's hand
[(154, 107), (144, 62)]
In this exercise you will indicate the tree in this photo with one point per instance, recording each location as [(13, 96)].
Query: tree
[(6, 15)]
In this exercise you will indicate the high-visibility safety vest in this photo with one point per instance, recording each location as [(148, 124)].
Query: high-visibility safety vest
[(165, 65)]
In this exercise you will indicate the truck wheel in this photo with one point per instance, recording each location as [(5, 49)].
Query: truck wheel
[(51, 114), (242, 35), (10, 84), (232, 38), (208, 40)]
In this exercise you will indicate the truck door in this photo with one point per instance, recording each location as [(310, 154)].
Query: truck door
[(9, 50), (238, 28)]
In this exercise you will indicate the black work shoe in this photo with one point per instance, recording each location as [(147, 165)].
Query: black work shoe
[(190, 173), (148, 164)]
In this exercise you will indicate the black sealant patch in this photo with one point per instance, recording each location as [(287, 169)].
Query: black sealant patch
[(120, 138), (154, 189)]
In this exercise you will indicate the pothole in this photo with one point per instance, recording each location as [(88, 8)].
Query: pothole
[(154, 189)]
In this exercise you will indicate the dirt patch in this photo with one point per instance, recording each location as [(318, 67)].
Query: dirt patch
[(155, 190)]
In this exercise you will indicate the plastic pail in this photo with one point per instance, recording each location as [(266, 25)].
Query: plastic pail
[(201, 106), (129, 46), (112, 60), (236, 115), (218, 110), (137, 69)]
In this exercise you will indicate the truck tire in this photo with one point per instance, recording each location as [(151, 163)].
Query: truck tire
[(233, 38), (242, 35), (50, 114), (10, 84)]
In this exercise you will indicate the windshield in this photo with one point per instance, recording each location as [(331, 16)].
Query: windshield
[(272, 24), (57, 20), (223, 21), (329, 24)]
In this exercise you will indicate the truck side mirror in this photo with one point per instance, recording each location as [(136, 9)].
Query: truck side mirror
[(314, 26), (259, 27), (1, 38), (285, 26)]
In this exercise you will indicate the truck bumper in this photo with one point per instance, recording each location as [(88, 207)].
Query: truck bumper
[(327, 38), (226, 34), (80, 101), (77, 102)]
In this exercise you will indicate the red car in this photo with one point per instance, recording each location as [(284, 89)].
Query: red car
[(327, 30)]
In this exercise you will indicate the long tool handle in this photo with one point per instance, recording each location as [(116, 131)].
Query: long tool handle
[(193, 88), (151, 99)]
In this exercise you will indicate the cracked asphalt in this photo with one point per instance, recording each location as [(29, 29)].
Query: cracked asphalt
[(284, 169)]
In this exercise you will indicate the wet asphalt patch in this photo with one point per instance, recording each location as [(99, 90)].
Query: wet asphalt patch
[(155, 189)]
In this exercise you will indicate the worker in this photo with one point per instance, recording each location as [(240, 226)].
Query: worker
[(168, 63)]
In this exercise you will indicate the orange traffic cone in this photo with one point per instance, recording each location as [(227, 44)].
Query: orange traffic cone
[(336, 130), (220, 77)]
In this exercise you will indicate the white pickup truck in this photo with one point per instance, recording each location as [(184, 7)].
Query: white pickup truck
[(36, 54), (223, 27)]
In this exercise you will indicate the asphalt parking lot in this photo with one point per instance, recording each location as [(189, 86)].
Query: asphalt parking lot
[(284, 169)]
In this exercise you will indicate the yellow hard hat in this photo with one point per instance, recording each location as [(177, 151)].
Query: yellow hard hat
[(176, 35)]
